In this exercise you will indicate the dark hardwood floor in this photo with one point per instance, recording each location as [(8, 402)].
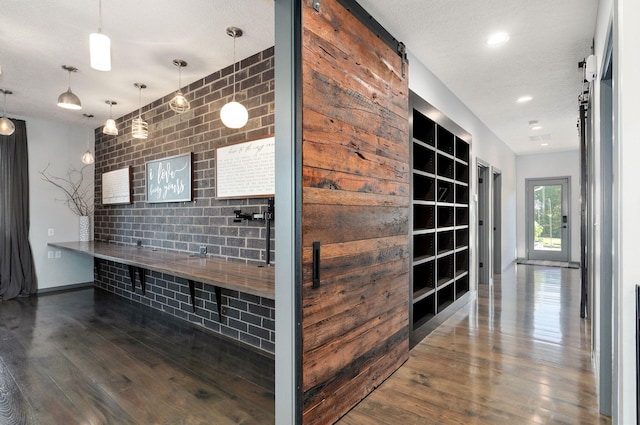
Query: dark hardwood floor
[(89, 357), (518, 354)]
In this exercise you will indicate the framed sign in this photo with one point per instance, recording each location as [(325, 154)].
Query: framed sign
[(246, 170), (116, 187), (169, 179)]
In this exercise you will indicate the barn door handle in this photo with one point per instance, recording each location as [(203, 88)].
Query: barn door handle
[(316, 265)]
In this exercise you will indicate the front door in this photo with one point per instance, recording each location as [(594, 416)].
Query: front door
[(548, 233)]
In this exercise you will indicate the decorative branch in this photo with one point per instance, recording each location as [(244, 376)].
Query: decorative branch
[(78, 195)]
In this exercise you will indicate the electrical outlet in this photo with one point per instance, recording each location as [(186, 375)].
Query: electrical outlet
[(50, 254), (51, 231), (58, 254), (203, 250)]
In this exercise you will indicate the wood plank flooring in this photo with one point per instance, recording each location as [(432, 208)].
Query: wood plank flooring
[(89, 357), (518, 354)]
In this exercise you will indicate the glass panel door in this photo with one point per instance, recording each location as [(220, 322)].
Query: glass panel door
[(548, 219)]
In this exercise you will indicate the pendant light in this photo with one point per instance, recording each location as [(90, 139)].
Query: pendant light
[(110, 125), (140, 129), (179, 103), (68, 100), (234, 114), (7, 127), (87, 157), (100, 46)]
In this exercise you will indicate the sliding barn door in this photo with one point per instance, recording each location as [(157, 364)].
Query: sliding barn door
[(355, 209)]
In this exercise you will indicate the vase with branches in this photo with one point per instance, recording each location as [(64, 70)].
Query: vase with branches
[(78, 195)]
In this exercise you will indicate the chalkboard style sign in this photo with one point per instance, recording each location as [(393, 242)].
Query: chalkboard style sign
[(246, 170), (169, 179), (116, 187)]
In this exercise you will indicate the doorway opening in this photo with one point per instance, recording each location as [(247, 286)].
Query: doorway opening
[(484, 265), (497, 222), (548, 227)]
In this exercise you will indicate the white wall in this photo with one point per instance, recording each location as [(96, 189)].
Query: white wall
[(626, 132), (624, 16), (62, 146), (560, 164), (485, 145)]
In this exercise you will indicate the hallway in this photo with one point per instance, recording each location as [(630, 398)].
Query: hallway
[(518, 354)]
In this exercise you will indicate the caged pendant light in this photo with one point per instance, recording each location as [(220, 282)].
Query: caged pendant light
[(7, 127), (68, 99), (100, 46), (179, 103), (110, 125), (234, 114), (140, 129)]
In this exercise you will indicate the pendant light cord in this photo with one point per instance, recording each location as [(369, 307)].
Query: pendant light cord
[(234, 66), (99, 16), (140, 102), (5, 103)]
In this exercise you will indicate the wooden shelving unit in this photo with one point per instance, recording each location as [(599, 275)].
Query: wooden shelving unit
[(440, 217)]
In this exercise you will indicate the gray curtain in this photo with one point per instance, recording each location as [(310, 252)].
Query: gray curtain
[(17, 272)]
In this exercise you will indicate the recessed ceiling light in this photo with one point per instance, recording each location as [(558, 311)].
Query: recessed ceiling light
[(544, 144), (535, 125), (524, 99), (497, 38)]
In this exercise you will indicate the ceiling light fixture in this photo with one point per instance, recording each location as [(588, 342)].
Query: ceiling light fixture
[(100, 46), (524, 99), (87, 157), (234, 114), (68, 100), (535, 125), (7, 127), (497, 39), (179, 103), (140, 129), (110, 125)]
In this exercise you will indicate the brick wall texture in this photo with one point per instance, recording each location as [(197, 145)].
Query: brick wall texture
[(206, 221)]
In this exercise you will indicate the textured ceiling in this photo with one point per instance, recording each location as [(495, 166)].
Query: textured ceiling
[(548, 39), (38, 36)]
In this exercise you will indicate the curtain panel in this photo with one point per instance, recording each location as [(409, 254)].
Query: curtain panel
[(17, 271)]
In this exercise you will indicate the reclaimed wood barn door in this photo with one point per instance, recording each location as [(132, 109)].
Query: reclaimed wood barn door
[(355, 207)]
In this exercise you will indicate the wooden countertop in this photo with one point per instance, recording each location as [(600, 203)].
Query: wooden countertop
[(234, 275)]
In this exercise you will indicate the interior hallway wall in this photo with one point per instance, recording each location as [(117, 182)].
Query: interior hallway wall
[(60, 145), (485, 145), (556, 164)]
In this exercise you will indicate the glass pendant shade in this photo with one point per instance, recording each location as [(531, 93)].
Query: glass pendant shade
[(7, 127), (100, 51), (179, 103), (88, 158), (100, 46), (234, 115), (68, 99), (110, 128), (140, 128)]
